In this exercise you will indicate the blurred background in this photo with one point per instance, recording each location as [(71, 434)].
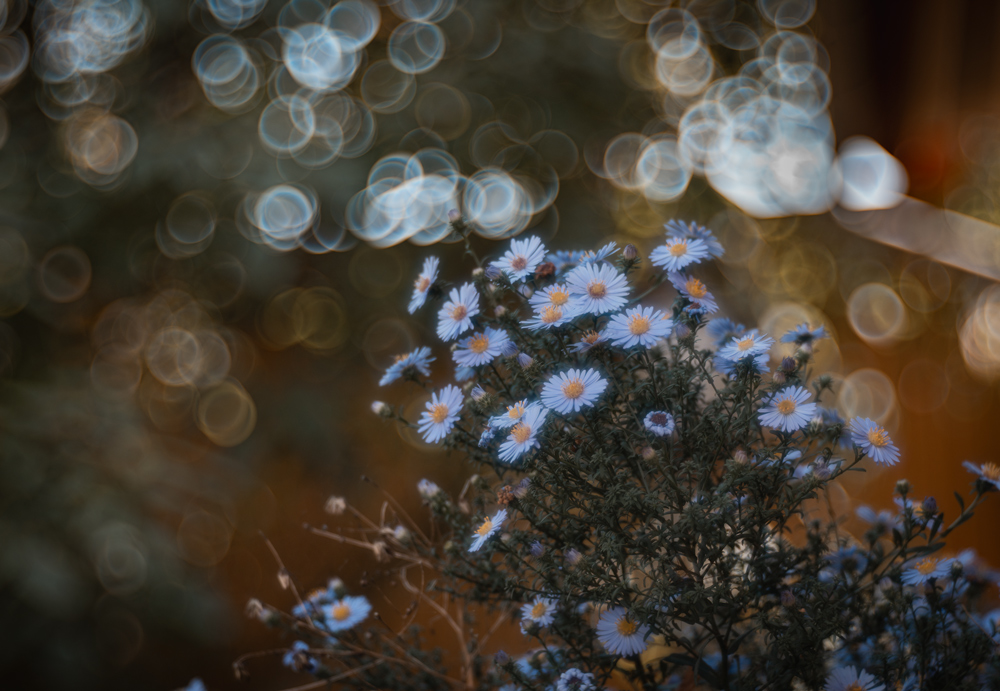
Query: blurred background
[(212, 214)]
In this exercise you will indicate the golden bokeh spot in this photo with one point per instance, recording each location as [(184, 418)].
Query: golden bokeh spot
[(638, 325), (479, 343), (341, 611), (679, 249), (521, 433), (458, 312), (695, 288), (786, 407), (626, 626), (439, 413), (485, 528), (573, 389), (597, 289)]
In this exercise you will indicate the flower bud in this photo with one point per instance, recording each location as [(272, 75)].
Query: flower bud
[(929, 506), (741, 457), (537, 549), (499, 311), (787, 598), (254, 609), (957, 569), (521, 489), (337, 587), (788, 364), (335, 506), (381, 409), (478, 392), (779, 377), (573, 557), (454, 215), (492, 272), (477, 273), (526, 291), (630, 252), (509, 349), (902, 486), (427, 489), (401, 534), (501, 658), (525, 360), (380, 551), (647, 453), (505, 495), (682, 331)]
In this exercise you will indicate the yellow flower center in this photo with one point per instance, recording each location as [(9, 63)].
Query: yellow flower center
[(626, 626), (422, 284), (878, 437), (479, 343), (341, 611), (400, 358), (638, 325), (926, 566), (597, 289), (515, 411), (991, 471), (695, 288), (854, 686), (439, 413), (558, 297), (573, 389), (458, 312), (521, 433), (679, 249), (485, 528), (786, 407), (539, 610), (745, 344), (519, 262), (550, 315), (590, 337)]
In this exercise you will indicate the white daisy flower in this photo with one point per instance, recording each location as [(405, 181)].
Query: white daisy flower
[(442, 414), (589, 340), (925, 569), (419, 360), (575, 680), (540, 611), (346, 613), (678, 253), (695, 291), (511, 417), (750, 344), (597, 288), (556, 295), (874, 441), (522, 437), (487, 529), (572, 390), (427, 489), (480, 347), (987, 472), (787, 410), (620, 634), (455, 317), (850, 679), (594, 256), (522, 258), (659, 423), (693, 231), (423, 283), (639, 326), (547, 317)]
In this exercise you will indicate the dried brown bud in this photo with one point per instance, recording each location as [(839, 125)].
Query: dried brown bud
[(545, 269), (505, 495), (630, 252)]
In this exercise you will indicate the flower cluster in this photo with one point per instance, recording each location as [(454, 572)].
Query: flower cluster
[(653, 515)]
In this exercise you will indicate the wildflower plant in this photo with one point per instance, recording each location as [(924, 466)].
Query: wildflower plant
[(649, 504)]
